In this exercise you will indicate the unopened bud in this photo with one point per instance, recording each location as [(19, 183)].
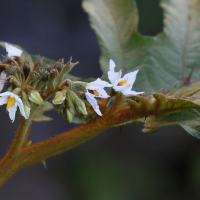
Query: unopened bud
[(13, 80), (69, 115), (52, 75), (27, 111), (38, 63), (58, 65), (60, 97), (33, 76), (26, 70), (27, 106), (77, 102), (67, 83), (35, 97), (81, 94), (79, 85)]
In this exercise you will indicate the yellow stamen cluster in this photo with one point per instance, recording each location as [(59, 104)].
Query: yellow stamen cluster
[(10, 102), (122, 82), (94, 92)]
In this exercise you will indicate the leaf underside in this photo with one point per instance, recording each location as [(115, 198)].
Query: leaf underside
[(163, 60)]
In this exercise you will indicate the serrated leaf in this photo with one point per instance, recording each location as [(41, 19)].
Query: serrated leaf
[(25, 55), (187, 119), (38, 115), (164, 59)]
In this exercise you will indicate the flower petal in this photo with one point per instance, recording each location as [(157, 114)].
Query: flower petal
[(102, 93), (12, 110), (93, 102), (112, 75), (131, 77), (97, 84), (130, 93), (21, 108), (3, 100), (13, 51)]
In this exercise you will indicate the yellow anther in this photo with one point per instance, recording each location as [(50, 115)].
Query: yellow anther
[(122, 82), (95, 93), (10, 102)]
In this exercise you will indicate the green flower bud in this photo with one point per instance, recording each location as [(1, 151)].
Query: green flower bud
[(13, 80), (27, 106), (77, 102), (33, 76), (67, 83), (35, 97), (60, 97), (69, 115)]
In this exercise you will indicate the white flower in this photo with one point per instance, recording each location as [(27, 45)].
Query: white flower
[(12, 101), (124, 84), (95, 89), (13, 51), (2, 80)]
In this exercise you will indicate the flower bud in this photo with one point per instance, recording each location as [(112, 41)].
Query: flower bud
[(26, 70), (35, 97), (69, 115), (27, 106), (38, 63), (60, 97), (58, 65), (70, 110), (52, 75), (67, 83), (33, 76), (13, 80), (77, 102)]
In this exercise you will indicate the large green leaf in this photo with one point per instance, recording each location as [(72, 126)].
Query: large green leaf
[(187, 119), (163, 60)]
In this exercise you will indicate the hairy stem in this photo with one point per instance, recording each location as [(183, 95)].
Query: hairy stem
[(51, 147)]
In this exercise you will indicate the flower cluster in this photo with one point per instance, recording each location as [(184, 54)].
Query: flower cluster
[(28, 86)]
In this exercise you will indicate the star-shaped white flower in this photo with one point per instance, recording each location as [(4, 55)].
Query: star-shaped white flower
[(2, 80), (13, 51), (95, 89), (12, 101), (124, 84)]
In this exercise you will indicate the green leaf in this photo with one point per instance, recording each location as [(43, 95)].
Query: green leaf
[(38, 115), (164, 59), (187, 119), (25, 55)]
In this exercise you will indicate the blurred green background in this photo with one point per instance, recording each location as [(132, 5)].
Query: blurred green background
[(122, 163)]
